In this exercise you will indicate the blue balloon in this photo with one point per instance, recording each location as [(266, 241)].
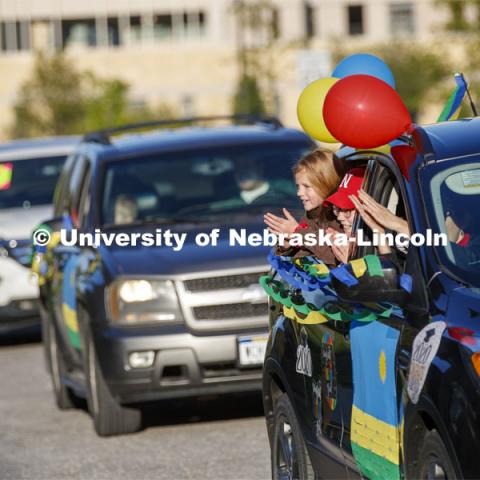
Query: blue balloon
[(364, 64)]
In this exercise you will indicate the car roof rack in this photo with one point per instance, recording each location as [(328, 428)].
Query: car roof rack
[(103, 136)]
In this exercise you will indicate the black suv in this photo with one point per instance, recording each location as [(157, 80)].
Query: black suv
[(385, 381), (128, 324)]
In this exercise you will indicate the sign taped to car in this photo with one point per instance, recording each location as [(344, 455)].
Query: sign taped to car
[(425, 347)]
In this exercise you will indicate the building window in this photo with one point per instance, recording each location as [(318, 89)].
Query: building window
[(79, 32), (135, 28), (355, 20), (113, 32), (402, 20), (202, 22), (309, 20), (23, 35), (192, 23), (162, 26), (15, 36)]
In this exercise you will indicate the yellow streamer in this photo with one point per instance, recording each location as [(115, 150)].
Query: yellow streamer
[(321, 268), (359, 267), (313, 318)]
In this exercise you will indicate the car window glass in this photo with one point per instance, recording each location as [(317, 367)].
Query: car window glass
[(29, 182), (75, 184), (226, 181), (84, 202), (61, 190)]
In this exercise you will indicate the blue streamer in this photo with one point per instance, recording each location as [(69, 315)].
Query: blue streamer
[(341, 273), (406, 282)]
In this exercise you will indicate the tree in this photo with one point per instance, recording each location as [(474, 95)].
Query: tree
[(456, 9), (60, 100), (248, 98), (51, 101), (257, 21)]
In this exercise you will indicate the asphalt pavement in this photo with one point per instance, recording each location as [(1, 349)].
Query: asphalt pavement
[(218, 438)]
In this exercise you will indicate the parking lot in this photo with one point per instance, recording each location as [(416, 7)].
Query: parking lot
[(213, 438)]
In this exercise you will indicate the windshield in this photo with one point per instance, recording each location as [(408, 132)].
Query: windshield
[(24, 183), (455, 197), (203, 183)]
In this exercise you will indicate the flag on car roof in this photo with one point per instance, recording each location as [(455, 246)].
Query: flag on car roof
[(451, 111)]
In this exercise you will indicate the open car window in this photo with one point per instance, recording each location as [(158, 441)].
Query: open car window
[(383, 187)]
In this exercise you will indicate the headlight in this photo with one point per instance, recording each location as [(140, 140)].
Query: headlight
[(136, 291), (143, 301)]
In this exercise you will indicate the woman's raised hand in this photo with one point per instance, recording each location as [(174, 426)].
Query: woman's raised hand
[(367, 217), (381, 215), (277, 225)]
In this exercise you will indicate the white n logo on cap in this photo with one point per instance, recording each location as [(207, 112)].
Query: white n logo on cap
[(346, 180)]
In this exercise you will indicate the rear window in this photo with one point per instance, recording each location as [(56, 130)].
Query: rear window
[(204, 183), (25, 183)]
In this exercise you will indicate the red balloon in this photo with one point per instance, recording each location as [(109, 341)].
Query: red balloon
[(362, 111)]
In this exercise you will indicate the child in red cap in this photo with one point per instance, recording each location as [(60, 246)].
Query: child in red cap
[(344, 209)]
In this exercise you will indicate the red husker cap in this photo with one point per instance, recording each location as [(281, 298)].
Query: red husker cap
[(350, 185)]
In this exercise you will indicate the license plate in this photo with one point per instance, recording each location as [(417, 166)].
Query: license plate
[(251, 350)]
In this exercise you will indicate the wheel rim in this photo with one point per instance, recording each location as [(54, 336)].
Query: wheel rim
[(436, 471), (287, 465)]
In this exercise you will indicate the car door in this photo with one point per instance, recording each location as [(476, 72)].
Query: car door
[(379, 352), (325, 398), (66, 258), (312, 388)]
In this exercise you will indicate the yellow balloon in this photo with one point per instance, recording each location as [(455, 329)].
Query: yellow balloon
[(310, 109), (382, 149)]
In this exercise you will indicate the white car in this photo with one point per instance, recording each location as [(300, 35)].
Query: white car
[(29, 171)]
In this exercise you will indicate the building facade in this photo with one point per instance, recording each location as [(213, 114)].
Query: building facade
[(185, 52)]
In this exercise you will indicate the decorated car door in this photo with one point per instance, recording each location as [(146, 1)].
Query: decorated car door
[(347, 356), (304, 287)]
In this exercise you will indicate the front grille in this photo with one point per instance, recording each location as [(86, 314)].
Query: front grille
[(222, 283), (228, 311)]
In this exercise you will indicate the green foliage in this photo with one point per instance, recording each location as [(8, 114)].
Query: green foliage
[(255, 20), (248, 99), (456, 10), (418, 71), (59, 100)]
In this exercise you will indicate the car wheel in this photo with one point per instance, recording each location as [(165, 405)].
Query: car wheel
[(433, 460), (290, 458), (109, 417), (56, 364)]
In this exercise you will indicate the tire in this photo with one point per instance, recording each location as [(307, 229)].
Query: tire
[(109, 417), (56, 364), (433, 461), (289, 456)]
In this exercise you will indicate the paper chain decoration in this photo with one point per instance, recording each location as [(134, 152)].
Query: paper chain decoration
[(308, 274)]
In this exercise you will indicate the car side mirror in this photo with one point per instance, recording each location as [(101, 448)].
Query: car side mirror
[(384, 287)]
